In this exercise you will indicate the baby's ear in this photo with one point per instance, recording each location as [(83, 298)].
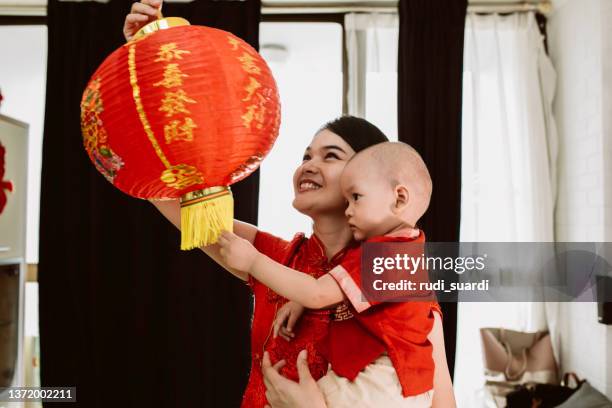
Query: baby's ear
[(402, 196)]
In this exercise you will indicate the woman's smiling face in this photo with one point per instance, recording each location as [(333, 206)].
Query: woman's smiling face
[(316, 182)]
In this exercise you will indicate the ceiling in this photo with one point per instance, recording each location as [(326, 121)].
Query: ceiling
[(38, 7), (27, 3)]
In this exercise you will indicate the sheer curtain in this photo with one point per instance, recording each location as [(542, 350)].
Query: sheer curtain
[(508, 170), (371, 44)]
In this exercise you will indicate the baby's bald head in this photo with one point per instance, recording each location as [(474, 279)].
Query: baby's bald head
[(398, 164)]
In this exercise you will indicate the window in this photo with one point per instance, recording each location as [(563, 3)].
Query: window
[(306, 60), (372, 41)]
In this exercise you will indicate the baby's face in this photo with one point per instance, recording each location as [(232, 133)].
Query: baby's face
[(370, 201)]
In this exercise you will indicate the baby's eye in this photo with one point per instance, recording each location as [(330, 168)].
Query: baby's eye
[(356, 196)]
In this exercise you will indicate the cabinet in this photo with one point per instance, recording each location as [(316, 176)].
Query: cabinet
[(13, 188)]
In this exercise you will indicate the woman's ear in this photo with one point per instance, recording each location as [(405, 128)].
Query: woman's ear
[(402, 197)]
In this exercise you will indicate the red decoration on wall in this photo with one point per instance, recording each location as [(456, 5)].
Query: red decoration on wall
[(4, 185), (181, 112)]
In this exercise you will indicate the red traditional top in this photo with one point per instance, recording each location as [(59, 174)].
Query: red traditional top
[(306, 255), (369, 328)]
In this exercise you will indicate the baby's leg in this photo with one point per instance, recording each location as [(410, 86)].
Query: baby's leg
[(376, 386)]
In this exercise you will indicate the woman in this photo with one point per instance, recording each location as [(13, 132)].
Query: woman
[(317, 195)]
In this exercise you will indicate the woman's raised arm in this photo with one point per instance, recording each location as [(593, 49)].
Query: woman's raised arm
[(171, 209), (140, 15)]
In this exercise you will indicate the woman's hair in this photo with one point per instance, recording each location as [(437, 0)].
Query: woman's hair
[(356, 132)]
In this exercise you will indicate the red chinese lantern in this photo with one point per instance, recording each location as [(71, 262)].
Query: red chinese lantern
[(183, 112)]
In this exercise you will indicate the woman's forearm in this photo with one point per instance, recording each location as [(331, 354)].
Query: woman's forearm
[(444, 396), (171, 210)]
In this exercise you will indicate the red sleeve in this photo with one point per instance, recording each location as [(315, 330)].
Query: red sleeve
[(270, 245), (435, 307), (348, 276), (276, 248)]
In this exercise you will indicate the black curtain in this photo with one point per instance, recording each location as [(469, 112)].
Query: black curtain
[(429, 111), (125, 316)]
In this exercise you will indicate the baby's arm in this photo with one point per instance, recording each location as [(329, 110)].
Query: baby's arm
[(171, 209), (297, 286), (238, 253), (443, 387)]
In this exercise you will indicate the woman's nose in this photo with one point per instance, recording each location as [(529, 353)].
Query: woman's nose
[(310, 167)]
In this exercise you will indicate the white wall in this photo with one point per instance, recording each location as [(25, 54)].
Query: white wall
[(606, 16), (579, 32)]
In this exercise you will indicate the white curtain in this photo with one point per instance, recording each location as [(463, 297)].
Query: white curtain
[(508, 171), (371, 44)]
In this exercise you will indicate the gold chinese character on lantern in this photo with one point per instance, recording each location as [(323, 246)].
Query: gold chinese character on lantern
[(255, 112), (174, 102), (169, 52), (251, 88), (249, 63), (234, 43), (173, 77), (181, 176), (177, 131)]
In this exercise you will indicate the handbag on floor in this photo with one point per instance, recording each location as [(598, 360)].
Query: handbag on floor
[(586, 397), (543, 395), (512, 358)]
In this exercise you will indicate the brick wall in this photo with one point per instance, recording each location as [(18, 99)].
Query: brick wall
[(580, 46)]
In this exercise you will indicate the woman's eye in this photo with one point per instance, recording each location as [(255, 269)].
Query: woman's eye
[(306, 157), (331, 155)]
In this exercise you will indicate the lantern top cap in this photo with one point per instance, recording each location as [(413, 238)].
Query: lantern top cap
[(161, 24)]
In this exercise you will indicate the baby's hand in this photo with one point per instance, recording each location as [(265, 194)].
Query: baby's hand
[(237, 253), (290, 313)]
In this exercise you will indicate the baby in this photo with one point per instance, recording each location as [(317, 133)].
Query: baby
[(379, 353)]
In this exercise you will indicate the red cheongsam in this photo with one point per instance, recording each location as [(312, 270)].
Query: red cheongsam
[(306, 255)]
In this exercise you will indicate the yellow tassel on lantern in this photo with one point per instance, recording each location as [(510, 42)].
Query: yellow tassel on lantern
[(204, 214)]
